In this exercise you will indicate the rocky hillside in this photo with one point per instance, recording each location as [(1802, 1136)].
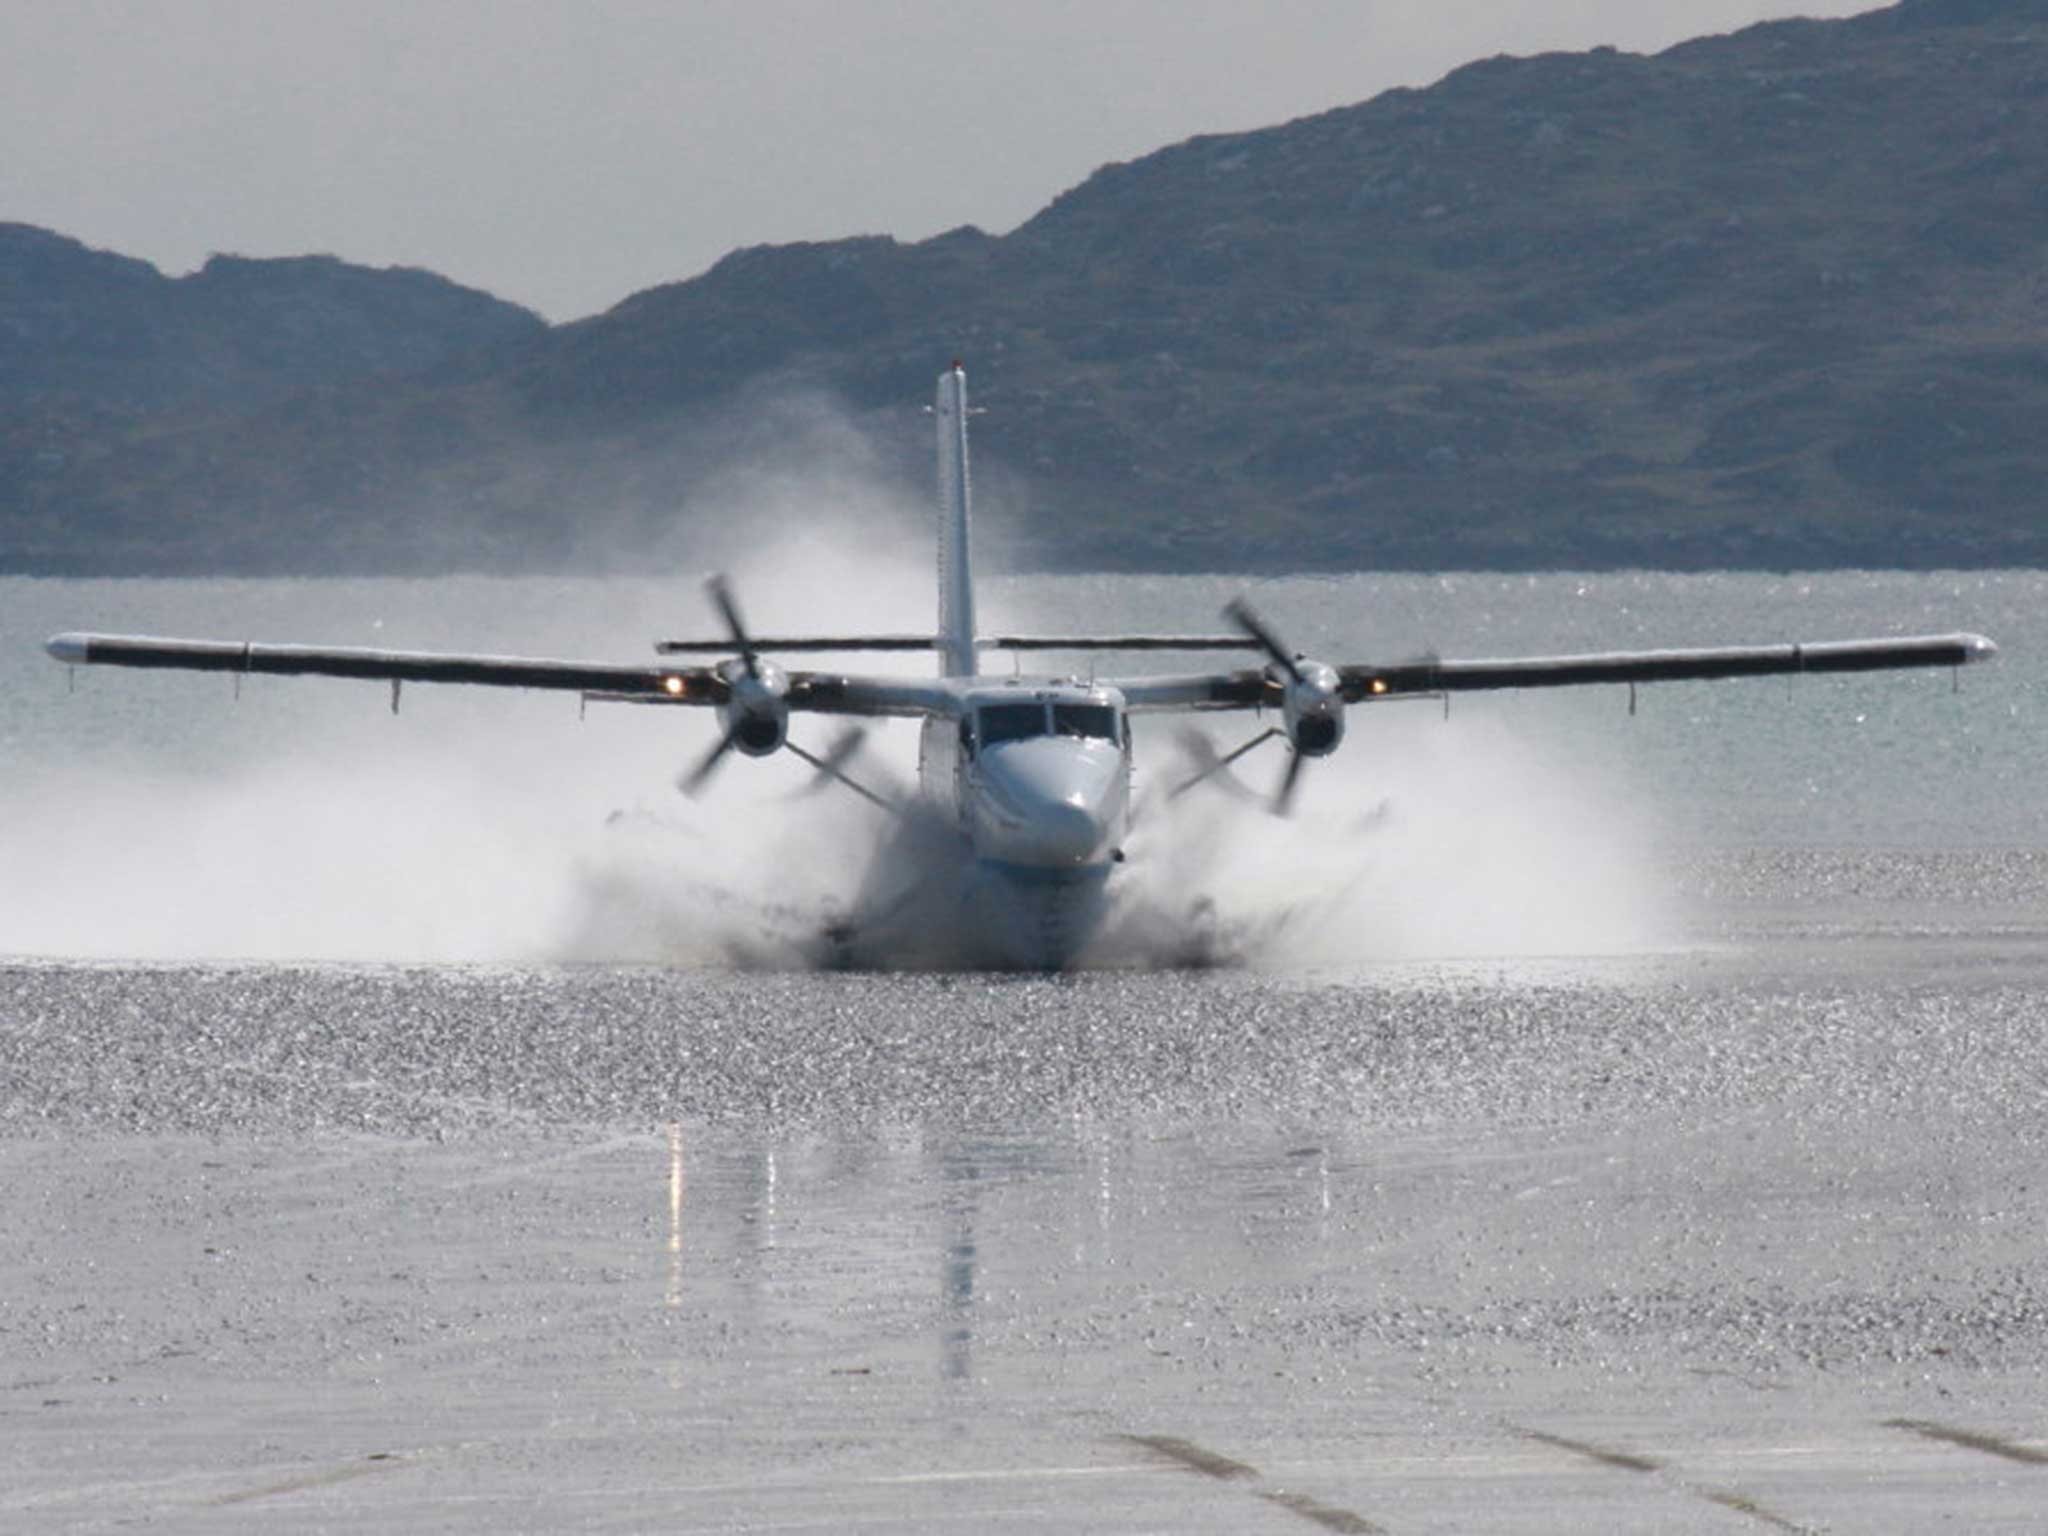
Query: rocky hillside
[(112, 332), (1779, 298), (121, 389)]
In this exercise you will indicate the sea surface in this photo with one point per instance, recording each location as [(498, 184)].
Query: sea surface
[(1592, 1119)]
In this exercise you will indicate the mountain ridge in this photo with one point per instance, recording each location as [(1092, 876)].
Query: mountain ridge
[(1767, 299)]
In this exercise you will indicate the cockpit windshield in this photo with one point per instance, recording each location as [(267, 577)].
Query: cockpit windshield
[(1096, 720), (1011, 722), (1020, 721)]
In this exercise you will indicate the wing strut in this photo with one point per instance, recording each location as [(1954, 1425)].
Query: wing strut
[(1216, 765), (833, 766)]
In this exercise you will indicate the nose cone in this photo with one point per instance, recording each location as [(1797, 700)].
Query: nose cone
[(1059, 835), (1049, 802)]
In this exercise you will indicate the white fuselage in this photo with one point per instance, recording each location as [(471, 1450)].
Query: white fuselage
[(1031, 776), (1034, 777)]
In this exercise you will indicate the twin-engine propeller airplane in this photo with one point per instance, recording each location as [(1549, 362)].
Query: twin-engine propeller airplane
[(1027, 779)]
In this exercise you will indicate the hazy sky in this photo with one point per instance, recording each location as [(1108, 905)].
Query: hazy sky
[(566, 154)]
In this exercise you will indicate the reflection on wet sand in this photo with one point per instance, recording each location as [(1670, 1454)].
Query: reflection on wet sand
[(1413, 1248), (958, 1175), (802, 1235), (674, 1297)]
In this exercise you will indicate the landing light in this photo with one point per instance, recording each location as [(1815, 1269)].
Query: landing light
[(674, 685), (1378, 685)]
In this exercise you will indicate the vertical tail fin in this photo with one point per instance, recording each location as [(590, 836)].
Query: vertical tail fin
[(957, 656)]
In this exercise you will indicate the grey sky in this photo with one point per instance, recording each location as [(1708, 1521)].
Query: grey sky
[(567, 154)]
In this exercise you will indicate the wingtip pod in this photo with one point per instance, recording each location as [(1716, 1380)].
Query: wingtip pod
[(1979, 648), (71, 649)]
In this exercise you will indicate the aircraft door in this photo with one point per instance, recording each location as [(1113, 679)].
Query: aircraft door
[(963, 766)]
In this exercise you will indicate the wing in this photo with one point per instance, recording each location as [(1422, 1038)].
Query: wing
[(827, 693), (1253, 688), (681, 685), (1368, 682)]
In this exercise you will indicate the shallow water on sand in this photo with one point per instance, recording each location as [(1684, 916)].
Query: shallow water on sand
[(1748, 1230)]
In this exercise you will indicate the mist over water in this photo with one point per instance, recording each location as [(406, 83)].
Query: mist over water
[(156, 816), (1420, 839)]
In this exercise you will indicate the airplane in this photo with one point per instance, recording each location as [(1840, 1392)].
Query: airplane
[(1024, 783)]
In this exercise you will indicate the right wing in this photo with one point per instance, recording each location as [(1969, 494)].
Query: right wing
[(819, 692), (682, 685)]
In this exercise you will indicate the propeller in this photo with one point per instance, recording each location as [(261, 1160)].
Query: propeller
[(720, 592), (1314, 708), (1283, 801), (756, 713), (699, 776), (1240, 613)]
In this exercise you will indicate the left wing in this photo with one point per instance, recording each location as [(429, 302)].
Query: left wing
[(1367, 682), (1260, 687)]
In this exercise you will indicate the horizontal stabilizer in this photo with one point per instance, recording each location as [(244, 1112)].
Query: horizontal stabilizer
[(724, 645), (1115, 643), (789, 643)]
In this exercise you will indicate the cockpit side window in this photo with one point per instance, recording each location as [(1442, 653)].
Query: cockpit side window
[(1011, 722), (1096, 720)]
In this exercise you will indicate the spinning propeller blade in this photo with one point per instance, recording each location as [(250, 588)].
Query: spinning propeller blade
[(720, 592), (1240, 613), (693, 781), (1283, 802)]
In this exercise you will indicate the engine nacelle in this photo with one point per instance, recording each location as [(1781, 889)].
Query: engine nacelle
[(755, 715), (1314, 709)]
